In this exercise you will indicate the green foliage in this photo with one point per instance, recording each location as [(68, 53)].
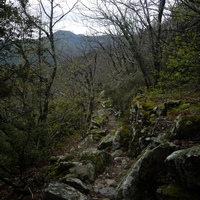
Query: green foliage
[(182, 55), (182, 61)]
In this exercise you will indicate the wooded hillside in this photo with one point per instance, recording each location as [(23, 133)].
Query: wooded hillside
[(50, 83)]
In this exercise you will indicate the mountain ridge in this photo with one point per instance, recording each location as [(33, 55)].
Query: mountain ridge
[(71, 44)]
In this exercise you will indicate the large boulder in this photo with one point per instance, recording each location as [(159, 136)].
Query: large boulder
[(184, 165), (141, 180), (61, 191), (186, 127)]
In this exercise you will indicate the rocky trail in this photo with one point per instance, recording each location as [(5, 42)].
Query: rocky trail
[(100, 166), (105, 183)]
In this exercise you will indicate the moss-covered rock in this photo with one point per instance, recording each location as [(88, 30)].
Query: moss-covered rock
[(147, 105), (100, 159), (106, 141), (84, 171), (186, 127), (61, 191), (60, 158), (98, 121), (141, 180), (97, 134), (100, 132), (184, 166)]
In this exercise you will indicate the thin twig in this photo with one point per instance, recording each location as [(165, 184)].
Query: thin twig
[(30, 192)]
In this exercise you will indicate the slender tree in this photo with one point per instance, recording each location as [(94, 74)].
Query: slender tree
[(52, 15)]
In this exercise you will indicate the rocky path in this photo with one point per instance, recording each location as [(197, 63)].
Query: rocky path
[(99, 167), (98, 160), (105, 184)]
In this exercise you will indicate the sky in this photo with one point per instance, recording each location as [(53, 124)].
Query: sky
[(72, 22)]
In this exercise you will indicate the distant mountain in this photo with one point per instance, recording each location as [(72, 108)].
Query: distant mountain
[(69, 44)]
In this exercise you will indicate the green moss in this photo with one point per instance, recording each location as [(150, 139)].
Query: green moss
[(180, 108), (195, 107), (63, 168), (137, 98), (147, 105), (108, 103), (98, 163), (113, 132), (174, 192), (53, 159), (152, 121), (99, 132), (50, 176), (125, 136), (185, 106), (100, 120), (99, 159), (189, 126), (145, 114), (96, 136)]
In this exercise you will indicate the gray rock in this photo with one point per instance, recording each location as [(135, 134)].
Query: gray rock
[(84, 171), (184, 166), (76, 183), (106, 142), (117, 153), (111, 140), (61, 191), (111, 182), (105, 186), (107, 190), (162, 109), (143, 174), (116, 140)]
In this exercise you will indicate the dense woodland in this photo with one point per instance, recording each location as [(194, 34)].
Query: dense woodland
[(48, 94)]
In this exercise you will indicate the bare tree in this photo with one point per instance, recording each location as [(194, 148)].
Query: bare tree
[(78, 77), (138, 26), (52, 14)]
